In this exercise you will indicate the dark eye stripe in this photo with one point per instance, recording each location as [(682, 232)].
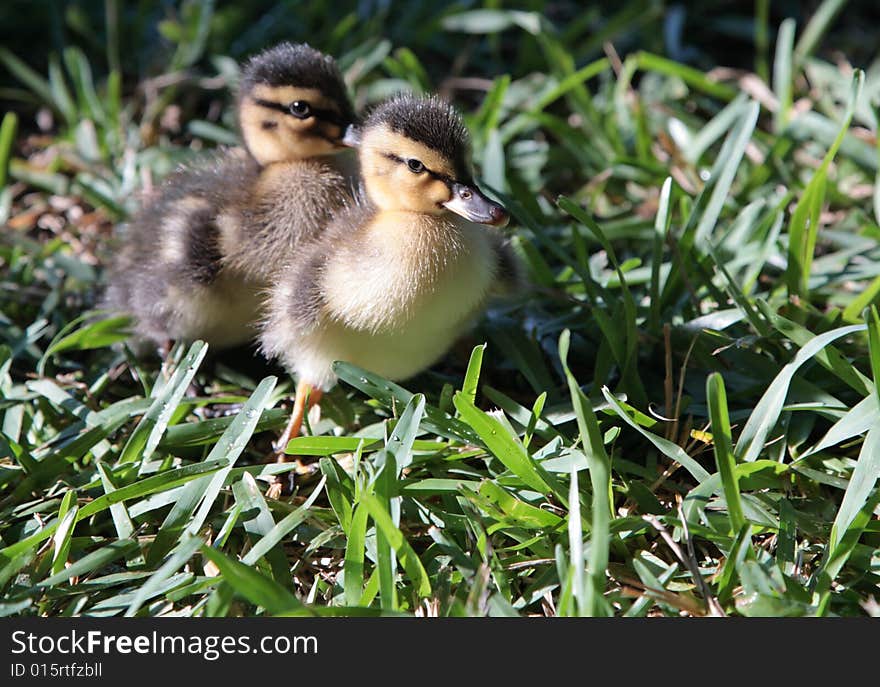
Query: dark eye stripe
[(436, 175), (320, 113), (272, 105)]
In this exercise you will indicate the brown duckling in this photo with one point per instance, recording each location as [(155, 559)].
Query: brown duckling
[(396, 277), (197, 257)]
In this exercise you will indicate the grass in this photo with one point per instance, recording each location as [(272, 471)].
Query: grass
[(678, 417)]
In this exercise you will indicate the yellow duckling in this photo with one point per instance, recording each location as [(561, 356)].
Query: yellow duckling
[(396, 277), (196, 258)]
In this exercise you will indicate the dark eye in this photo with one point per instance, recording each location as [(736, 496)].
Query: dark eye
[(300, 109), (415, 166)]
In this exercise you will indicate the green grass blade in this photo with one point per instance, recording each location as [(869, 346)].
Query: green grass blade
[(64, 533), (472, 376), (857, 420), (283, 527), (205, 490), (503, 446), (60, 94), (853, 311), (157, 580), (873, 321), (405, 553), (576, 546), (830, 357), (205, 432), (856, 510), (26, 75), (669, 449), (692, 77), (258, 523), (766, 413), (392, 395), (662, 222), (804, 225), (816, 27), (653, 586), (7, 139), (92, 562), (783, 73), (740, 137), (400, 442), (721, 443), (147, 434), (161, 482), (340, 492), (355, 546), (121, 520), (600, 478), (256, 588), (860, 487)]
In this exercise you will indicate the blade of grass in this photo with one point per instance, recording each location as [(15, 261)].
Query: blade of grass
[(405, 553), (7, 139), (855, 512), (355, 546), (816, 27), (669, 449), (504, 447), (740, 137), (766, 413), (64, 533), (783, 72), (92, 562), (258, 522), (161, 482), (256, 588), (146, 435), (204, 490), (804, 226), (121, 520), (662, 222), (283, 527), (716, 397), (600, 478), (576, 545), (472, 375), (184, 551)]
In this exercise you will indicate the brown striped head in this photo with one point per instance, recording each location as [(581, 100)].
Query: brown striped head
[(415, 156), (293, 104)]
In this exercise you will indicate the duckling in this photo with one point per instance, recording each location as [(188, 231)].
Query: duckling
[(196, 258), (397, 276)]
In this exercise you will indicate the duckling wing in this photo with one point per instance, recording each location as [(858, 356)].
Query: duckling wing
[(510, 273), (171, 248), (292, 205)]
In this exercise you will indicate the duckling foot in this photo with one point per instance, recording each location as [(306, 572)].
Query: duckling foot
[(306, 397), (280, 485), (164, 350)]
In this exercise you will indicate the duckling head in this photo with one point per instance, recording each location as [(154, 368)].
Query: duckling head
[(415, 156), (293, 104)]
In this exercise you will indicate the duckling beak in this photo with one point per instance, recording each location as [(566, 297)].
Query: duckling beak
[(468, 202), (351, 138)]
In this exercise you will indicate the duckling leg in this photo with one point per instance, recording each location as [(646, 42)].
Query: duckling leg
[(164, 349), (306, 397)]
